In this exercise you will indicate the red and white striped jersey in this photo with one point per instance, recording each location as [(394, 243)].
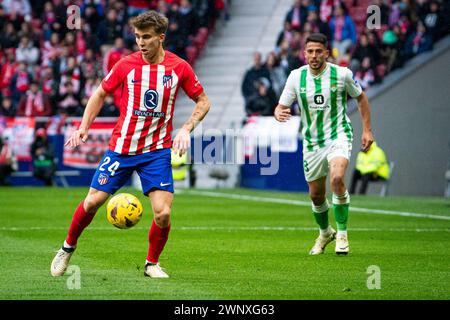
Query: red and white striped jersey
[(148, 94)]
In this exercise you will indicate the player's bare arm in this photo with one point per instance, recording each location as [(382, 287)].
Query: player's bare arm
[(282, 113), (183, 139), (364, 111), (93, 107)]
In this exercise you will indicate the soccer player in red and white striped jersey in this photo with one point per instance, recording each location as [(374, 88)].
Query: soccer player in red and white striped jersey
[(149, 80)]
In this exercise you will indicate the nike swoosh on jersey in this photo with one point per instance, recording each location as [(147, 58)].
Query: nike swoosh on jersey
[(164, 184)]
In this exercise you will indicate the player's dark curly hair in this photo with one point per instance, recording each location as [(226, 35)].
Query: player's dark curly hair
[(317, 37), (150, 19)]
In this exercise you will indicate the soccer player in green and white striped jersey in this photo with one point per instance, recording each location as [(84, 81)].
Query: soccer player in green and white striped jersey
[(321, 89)]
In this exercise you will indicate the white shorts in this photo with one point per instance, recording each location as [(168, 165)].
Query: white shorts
[(316, 163)]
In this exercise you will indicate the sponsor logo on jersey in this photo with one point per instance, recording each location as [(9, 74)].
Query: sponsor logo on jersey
[(319, 99), (333, 88), (151, 99), (103, 179), (318, 107), (153, 114), (167, 82)]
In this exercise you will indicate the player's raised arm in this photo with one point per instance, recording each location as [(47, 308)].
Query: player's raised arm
[(91, 111), (182, 140), (364, 111)]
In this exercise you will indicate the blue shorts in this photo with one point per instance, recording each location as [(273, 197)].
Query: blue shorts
[(154, 169)]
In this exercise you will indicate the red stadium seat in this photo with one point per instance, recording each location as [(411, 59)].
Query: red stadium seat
[(359, 14), (348, 3), (192, 54), (203, 31), (200, 41), (201, 38)]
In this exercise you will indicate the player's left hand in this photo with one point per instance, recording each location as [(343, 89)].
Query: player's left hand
[(366, 140), (182, 141)]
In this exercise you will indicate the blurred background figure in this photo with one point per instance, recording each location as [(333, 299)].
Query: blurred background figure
[(343, 30), (263, 101), (8, 163), (34, 103), (43, 155), (370, 166), (257, 71)]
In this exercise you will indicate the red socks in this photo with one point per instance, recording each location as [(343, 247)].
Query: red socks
[(81, 219), (157, 238)]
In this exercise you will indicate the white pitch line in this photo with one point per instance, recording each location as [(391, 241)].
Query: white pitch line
[(308, 204), (230, 229)]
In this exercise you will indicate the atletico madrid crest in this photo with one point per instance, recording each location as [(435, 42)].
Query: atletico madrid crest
[(103, 179), (167, 82)]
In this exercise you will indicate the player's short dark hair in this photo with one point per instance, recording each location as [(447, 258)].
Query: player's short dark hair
[(317, 37), (150, 19)]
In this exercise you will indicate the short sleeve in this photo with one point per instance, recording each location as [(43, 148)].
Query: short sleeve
[(114, 78), (190, 83), (288, 96), (351, 86)]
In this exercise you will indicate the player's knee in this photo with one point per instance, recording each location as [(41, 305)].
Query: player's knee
[(337, 181), (91, 204), (317, 198), (162, 216)]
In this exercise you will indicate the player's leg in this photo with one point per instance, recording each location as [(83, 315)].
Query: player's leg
[(315, 166), (111, 174), (317, 192), (341, 201), (84, 213), (157, 183), (161, 202), (158, 235)]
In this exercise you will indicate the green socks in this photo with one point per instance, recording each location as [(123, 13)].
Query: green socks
[(321, 215), (341, 204)]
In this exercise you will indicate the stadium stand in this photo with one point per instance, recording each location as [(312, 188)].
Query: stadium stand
[(406, 29), (52, 58), (47, 68)]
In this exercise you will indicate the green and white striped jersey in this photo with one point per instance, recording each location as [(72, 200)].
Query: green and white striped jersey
[(323, 103)]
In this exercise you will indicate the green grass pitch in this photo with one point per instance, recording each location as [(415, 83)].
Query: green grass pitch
[(225, 247)]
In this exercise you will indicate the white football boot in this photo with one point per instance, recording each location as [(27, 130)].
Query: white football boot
[(342, 246), (322, 241), (154, 271), (61, 261)]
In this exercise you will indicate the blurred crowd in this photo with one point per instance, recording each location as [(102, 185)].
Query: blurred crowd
[(406, 28), (50, 63)]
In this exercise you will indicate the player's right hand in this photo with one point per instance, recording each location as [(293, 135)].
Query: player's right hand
[(282, 114), (76, 138)]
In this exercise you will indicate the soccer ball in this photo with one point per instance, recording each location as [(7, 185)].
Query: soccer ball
[(124, 210)]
